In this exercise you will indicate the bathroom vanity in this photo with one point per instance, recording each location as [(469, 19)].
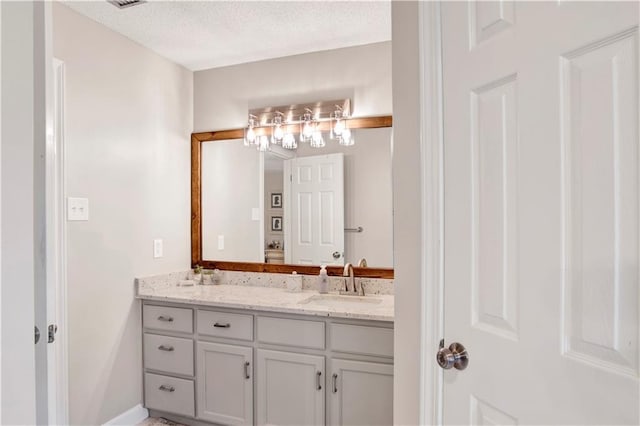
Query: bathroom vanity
[(243, 355)]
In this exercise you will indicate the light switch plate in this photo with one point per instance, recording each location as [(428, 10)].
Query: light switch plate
[(77, 209), (220, 242), (255, 213), (157, 248)]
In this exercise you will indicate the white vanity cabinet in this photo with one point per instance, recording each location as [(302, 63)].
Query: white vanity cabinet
[(225, 383), (209, 365), (290, 388), (361, 393)]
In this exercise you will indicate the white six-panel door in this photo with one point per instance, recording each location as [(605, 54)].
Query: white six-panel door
[(316, 206), (542, 215)]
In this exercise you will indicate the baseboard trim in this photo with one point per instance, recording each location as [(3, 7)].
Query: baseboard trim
[(131, 417)]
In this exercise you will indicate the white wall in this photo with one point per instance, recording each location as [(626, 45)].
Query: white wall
[(407, 210), (230, 190), (224, 95), (129, 113)]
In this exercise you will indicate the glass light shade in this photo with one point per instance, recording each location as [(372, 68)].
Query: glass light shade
[(346, 139), (338, 128), (250, 138), (263, 143), (278, 135), (307, 130), (317, 141), (289, 141)]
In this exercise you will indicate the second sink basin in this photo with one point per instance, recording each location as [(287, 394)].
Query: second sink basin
[(337, 301)]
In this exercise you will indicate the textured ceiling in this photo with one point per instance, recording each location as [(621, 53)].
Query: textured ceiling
[(208, 34)]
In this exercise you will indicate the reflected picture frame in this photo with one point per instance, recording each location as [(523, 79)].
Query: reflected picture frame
[(276, 223), (276, 200)]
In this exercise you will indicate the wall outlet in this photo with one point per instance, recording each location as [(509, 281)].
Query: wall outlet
[(77, 208), (220, 242), (157, 248)]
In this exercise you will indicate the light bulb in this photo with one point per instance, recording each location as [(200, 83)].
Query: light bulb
[(251, 135), (307, 130), (339, 127), (289, 141), (278, 134), (263, 143), (346, 139), (316, 140)]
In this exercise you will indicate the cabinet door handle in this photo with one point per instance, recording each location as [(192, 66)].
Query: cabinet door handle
[(167, 388), (335, 383), (246, 370), (227, 325), (166, 348), (166, 319), (318, 380)]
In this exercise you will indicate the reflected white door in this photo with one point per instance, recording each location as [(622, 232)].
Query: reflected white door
[(542, 211), (315, 200)]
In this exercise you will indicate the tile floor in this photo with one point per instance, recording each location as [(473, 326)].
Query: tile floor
[(158, 421)]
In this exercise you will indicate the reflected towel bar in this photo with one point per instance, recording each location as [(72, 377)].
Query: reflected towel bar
[(358, 229)]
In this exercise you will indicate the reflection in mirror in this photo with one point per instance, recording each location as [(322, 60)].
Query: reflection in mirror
[(299, 207), (231, 224)]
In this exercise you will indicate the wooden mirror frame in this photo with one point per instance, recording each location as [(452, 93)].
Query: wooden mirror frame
[(197, 139)]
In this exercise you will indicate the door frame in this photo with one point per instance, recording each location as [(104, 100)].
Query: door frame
[(58, 354), (432, 211)]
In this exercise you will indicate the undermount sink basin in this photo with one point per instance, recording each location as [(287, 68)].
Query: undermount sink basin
[(334, 300)]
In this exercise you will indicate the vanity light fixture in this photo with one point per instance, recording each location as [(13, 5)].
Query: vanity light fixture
[(289, 141), (313, 119), (307, 126), (277, 135), (339, 127), (263, 143), (250, 133)]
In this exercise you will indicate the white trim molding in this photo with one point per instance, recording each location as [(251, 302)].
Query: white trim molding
[(131, 417), (58, 356), (432, 172)]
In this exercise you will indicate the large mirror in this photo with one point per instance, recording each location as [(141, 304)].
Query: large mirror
[(303, 207)]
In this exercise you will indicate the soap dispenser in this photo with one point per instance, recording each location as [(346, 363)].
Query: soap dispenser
[(323, 280)]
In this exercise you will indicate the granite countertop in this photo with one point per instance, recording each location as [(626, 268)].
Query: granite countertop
[(272, 299)]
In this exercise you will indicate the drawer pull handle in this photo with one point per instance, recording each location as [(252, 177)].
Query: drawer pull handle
[(167, 388), (246, 370), (335, 383), (166, 319), (166, 348), (319, 380), (227, 325)]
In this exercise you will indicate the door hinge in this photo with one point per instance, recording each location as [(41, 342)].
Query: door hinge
[(36, 334), (53, 329)]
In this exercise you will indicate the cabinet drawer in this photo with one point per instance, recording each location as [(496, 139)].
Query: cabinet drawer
[(168, 354), (169, 394), (223, 324), (363, 340), (301, 333), (167, 319)]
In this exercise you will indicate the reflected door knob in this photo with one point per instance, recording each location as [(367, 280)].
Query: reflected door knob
[(454, 356)]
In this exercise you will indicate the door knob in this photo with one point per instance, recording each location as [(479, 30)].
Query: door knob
[(336, 255), (454, 356)]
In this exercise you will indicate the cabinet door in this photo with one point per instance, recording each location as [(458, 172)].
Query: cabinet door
[(361, 393), (225, 383), (290, 388)]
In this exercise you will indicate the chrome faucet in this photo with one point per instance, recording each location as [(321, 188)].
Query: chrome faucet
[(349, 277)]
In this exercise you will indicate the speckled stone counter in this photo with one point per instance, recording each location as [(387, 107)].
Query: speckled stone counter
[(254, 291)]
